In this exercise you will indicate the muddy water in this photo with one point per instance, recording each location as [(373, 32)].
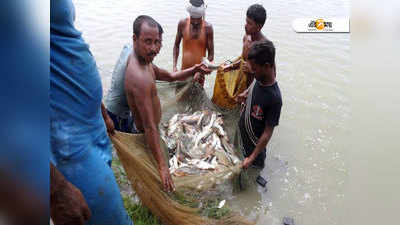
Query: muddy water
[(306, 169)]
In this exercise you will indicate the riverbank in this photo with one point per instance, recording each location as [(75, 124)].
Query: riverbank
[(140, 214)]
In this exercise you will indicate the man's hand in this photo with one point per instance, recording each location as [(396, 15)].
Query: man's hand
[(230, 66), (247, 162), (110, 125), (201, 68), (198, 77), (175, 69), (246, 68), (226, 67), (107, 120), (68, 206), (240, 98), (166, 180)]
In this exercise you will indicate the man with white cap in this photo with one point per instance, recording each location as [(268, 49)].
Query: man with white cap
[(198, 37)]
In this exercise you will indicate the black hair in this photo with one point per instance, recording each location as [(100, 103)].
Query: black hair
[(196, 3), (257, 13), (262, 52), (137, 25)]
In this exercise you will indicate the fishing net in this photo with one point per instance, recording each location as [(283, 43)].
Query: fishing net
[(200, 195)]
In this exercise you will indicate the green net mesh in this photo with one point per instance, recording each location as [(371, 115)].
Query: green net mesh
[(196, 200)]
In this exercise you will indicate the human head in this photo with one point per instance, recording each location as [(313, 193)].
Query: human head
[(196, 10), (261, 58), (147, 38), (255, 19)]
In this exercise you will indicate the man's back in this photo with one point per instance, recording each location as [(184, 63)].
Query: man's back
[(75, 88)]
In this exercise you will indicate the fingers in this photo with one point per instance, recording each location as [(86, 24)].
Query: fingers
[(169, 185), (111, 131), (205, 70), (172, 185), (165, 184)]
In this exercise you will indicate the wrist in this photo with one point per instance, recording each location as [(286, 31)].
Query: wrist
[(162, 166), (252, 157), (194, 70)]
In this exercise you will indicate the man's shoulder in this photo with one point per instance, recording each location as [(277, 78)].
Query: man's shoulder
[(245, 37), (276, 94), (182, 22), (270, 94), (208, 25), (264, 38), (137, 77)]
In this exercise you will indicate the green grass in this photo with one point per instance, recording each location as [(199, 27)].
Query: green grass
[(140, 214), (211, 210), (207, 207)]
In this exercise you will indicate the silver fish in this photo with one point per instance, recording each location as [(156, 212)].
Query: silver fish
[(197, 143), (209, 64)]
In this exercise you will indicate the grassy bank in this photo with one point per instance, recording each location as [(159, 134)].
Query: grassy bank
[(139, 214), (142, 215)]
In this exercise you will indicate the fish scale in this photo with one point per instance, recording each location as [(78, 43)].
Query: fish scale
[(197, 143)]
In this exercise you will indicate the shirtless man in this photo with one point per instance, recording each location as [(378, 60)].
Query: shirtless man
[(255, 19), (198, 37), (140, 88)]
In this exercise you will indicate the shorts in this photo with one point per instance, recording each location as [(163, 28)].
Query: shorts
[(126, 125)]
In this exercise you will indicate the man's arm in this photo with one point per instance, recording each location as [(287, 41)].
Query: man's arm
[(107, 120), (67, 204), (261, 144), (164, 75), (210, 42), (178, 39), (140, 93)]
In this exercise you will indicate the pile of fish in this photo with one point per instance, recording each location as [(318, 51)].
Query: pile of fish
[(197, 143)]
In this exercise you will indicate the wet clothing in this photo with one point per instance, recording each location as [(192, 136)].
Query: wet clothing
[(264, 108), (126, 125), (116, 100), (80, 146)]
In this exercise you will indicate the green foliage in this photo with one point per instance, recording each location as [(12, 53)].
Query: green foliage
[(211, 210), (140, 214)]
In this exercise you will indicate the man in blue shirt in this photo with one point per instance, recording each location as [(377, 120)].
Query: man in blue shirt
[(80, 147)]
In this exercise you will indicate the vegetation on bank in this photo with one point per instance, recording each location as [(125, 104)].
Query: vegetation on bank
[(141, 215)]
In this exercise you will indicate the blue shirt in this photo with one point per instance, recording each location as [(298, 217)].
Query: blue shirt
[(76, 123)]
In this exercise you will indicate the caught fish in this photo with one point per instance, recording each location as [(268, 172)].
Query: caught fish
[(209, 64), (197, 143)]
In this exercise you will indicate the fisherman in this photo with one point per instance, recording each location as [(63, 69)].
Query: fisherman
[(225, 91), (82, 183), (198, 37), (255, 20), (263, 103), (140, 89)]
